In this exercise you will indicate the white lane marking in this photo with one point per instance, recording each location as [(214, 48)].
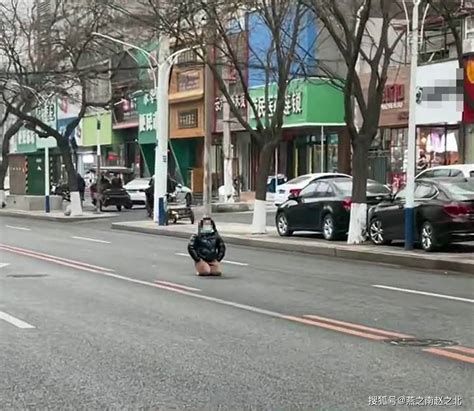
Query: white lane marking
[(225, 261), (92, 240), (406, 290), (59, 260), (15, 321), (184, 287), (12, 227), (2, 265), (199, 296)]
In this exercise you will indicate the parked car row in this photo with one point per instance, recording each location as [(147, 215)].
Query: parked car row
[(321, 203)]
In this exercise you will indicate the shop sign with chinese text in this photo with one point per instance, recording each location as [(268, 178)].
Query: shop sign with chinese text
[(310, 102), (146, 105)]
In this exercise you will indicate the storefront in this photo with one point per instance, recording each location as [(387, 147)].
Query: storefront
[(187, 125), (125, 124), (386, 161), (314, 128), (438, 115), (468, 109)]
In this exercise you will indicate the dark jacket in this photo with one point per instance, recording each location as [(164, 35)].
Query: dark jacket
[(206, 246)]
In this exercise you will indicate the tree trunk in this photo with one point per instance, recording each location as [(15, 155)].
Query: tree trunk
[(12, 130), (76, 204), (360, 171), (259, 222), (3, 170)]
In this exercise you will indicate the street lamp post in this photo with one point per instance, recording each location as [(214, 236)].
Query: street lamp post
[(411, 158), (161, 72)]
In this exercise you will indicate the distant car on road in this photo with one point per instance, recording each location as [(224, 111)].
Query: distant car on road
[(137, 188), (324, 206), (455, 170), (297, 184), (444, 213)]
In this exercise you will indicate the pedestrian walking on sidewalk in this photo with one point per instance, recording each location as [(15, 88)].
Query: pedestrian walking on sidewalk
[(207, 248)]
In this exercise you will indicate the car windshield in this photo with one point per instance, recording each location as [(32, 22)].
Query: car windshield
[(460, 191), (138, 182), (299, 179), (373, 187)]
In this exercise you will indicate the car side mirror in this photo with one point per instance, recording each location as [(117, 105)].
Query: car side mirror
[(293, 197)]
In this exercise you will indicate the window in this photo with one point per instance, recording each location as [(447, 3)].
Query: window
[(456, 173), (322, 189), (444, 172), (424, 191), (401, 195), (309, 190), (427, 174), (188, 118), (438, 42)]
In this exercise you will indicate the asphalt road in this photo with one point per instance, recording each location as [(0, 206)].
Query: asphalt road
[(93, 319)]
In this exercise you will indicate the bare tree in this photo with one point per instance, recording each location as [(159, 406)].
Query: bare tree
[(365, 35), (54, 54), (224, 27), (10, 129)]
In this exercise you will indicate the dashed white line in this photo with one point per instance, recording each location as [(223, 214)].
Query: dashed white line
[(225, 261), (2, 265), (15, 321), (406, 290), (92, 240), (12, 227)]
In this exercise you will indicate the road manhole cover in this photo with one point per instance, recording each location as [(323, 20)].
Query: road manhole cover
[(421, 342), (27, 275)]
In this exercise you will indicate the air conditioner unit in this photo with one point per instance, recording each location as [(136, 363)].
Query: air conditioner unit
[(468, 46)]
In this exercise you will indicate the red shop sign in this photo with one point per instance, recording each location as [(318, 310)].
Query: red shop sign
[(393, 96)]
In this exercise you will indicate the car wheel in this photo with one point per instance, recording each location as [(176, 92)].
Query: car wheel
[(189, 199), (282, 225), (428, 238), (376, 233), (119, 208), (329, 228)]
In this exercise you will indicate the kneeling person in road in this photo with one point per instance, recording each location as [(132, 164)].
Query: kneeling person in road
[(207, 248)]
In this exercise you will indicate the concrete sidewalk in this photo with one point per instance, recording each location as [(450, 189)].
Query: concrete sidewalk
[(57, 216), (461, 260)]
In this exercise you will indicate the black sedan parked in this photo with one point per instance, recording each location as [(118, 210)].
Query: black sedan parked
[(324, 206), (444, 213)]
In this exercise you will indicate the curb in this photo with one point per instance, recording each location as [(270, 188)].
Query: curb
[(64, 219), (409, 261)]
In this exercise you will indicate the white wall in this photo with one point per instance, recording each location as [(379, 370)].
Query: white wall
[(440, 104)]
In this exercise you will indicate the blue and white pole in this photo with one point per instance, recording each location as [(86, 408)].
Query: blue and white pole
[(47, 204), (411, 158)]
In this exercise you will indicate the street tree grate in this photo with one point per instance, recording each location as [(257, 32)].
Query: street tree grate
[(421, 342), (27, 275)]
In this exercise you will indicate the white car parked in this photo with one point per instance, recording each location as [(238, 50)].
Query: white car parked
[(295, 185), (455, 170), (136, 188)]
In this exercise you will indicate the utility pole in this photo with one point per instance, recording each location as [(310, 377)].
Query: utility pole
[(227, 149), (209, 117), (411, 167), (97, 177)]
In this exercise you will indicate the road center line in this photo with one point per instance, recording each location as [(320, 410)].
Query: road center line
[(15, 321), (225, 261), (93, 240), (406, 290), (12, 227)]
